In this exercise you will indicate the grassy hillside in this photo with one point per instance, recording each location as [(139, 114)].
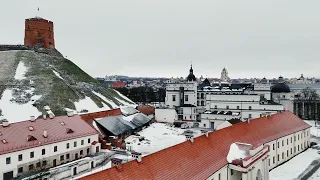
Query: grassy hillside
[(40, 79)]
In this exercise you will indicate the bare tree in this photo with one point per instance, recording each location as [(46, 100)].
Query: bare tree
[(308, 97)]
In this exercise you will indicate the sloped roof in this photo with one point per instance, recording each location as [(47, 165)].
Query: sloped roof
[(118, 125), (16, 134), (206, 155)]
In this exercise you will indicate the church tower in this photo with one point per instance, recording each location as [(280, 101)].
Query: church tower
[(39, 31), (224, 75)]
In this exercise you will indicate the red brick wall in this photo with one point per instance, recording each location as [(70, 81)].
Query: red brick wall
[(39, 29), (101, 114)]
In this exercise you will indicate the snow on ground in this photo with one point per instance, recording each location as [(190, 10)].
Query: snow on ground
[(124, 102), (126, 98), (88, 104), (316, 175), (114, 105), (23, 111), (95, 170), (57, 74), (295, 166), (20, 71), (158, 136)]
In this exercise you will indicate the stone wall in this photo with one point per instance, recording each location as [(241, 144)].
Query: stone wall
[(13, 47), (37, 48)]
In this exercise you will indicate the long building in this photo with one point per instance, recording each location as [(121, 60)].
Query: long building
[(266, 142), (37, 144)]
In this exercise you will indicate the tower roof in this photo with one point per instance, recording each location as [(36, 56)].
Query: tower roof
[(191, 76)]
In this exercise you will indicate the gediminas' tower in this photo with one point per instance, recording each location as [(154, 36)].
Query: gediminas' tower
[(39, 31)]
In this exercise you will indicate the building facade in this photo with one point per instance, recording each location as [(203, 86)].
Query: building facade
[(44, 143)]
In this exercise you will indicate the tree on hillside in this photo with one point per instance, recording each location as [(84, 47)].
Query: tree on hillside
[(308, 96)]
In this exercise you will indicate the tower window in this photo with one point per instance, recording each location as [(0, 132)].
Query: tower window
[(28, 27), (49, 29), (49, 35)]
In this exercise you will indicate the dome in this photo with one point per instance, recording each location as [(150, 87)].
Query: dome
[(281, 87)]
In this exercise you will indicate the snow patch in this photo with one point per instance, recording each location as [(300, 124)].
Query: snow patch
[(126, 98), (20, 71), (57, 74), (236, 152), (23, 111), (88, 104), (157, 136), (106, 100)]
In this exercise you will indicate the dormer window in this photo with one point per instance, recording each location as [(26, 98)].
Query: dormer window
[(31, 138), (69, 131)]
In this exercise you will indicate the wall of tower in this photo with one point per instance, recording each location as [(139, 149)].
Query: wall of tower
[(39, 31)]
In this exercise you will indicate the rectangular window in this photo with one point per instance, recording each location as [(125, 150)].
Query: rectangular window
[(278, 157), (173, 97), (75, 144), (274, 159), (55, 149), (31, 167), (67, 156), (32, 154), (227, 107), (215, 106), (231, 172), (238, 107), (278, 144), (298, 147), (68, 145), (44, 163), (287, 141), (294, 138), (250, 115), (219, 176), (269, 161), (291, 139), (282, 155), (273, 146), (294, 150), (38, 164), (61, 157), (282, 143), (43, 151), (20, 157), (8, 160), (81, 152), (298, 136), (82, 142), (291, 151), (20, 170), (250, 107), (287, 153), (186, 97)]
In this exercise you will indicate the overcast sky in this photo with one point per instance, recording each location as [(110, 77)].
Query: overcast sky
[(251, 38)]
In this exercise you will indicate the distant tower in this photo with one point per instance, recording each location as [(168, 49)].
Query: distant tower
[(39, 31), (224, 75)]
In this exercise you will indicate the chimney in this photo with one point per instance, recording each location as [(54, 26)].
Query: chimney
[(207, 134), (70, 113), (32, 118), (44, 116), (190, 137), (51, 115), (116, 162), (47, 108), (137, 155), (45, 133), (5, 123)]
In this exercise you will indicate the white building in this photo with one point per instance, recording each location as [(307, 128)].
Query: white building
[(37, 144), (221, 100), (247, 151)]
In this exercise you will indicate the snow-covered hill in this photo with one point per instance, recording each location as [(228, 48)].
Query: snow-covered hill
[(30, 80)]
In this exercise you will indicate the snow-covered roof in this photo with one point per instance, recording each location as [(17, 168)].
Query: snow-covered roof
[(238, 151)]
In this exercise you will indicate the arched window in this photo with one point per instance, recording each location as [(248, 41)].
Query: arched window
[(259, 175)]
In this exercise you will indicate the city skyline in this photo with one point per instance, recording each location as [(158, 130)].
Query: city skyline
[(160, 39)]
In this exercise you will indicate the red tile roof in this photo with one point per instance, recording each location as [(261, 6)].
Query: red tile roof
[(206, 155), (16, 134), (118, 85)]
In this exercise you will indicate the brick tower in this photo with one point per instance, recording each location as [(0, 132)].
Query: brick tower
[(39, 31)]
